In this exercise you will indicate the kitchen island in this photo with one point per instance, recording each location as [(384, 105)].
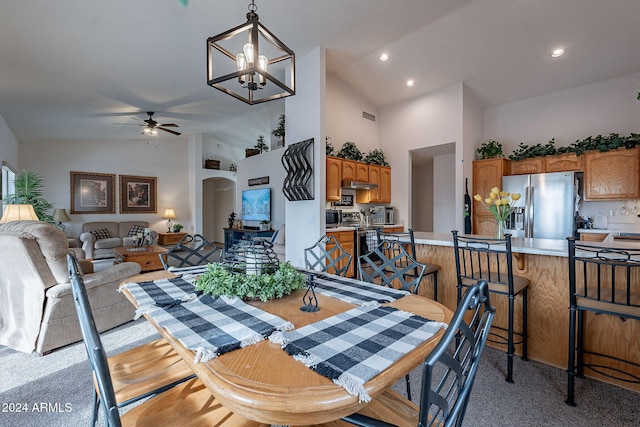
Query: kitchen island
[(545, 263)]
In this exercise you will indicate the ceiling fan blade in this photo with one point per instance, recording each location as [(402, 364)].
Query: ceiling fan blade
[(169, 130), (171, 125)]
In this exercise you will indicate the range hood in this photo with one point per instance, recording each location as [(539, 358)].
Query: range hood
[(358, 185)]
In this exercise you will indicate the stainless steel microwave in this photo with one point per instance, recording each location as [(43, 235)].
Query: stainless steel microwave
[(333, 218)]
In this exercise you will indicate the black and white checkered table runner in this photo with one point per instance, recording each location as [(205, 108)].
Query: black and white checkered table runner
[(353, 291), (208, 326), (354, 346)]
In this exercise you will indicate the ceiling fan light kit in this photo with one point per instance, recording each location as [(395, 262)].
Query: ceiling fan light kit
[(251, 64), (151, 126)]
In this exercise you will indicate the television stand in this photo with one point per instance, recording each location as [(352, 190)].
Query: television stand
[(233, 235)]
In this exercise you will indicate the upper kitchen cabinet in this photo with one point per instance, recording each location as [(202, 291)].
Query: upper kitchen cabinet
[(373, 195), (349, 171), (526, 166), (569, 162), (385, 184), (612, 175), (334, 178), (486, 175), (362, 172)]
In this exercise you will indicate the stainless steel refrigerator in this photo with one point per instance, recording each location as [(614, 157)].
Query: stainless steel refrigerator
[(546, 209)]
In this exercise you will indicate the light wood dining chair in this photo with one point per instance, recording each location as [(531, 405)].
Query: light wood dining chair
[(185, 402), (448, 375)]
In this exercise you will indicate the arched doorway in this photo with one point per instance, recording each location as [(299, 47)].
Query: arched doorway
[(218, 201)]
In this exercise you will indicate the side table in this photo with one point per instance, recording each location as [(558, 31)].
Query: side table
[(168, 239)]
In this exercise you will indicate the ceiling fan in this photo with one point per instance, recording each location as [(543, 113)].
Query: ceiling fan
[(151, 127)]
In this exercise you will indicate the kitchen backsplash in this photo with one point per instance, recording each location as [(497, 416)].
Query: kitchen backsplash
[(620, 216)]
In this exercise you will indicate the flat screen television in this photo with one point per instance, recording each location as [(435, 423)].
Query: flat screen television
[(256, 205)]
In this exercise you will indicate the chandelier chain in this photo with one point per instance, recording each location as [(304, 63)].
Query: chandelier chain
[(252, 7)]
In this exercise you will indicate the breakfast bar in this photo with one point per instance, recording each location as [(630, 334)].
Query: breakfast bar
[(545, 263)]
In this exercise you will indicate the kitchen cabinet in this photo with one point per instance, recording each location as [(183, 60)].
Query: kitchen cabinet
[(526, 166), (593, 237), (569, 162), (487, 174), (385, 184), (373, 195), (362, 172), (612, 175), (334, 178), (349, 169), (347, 241)]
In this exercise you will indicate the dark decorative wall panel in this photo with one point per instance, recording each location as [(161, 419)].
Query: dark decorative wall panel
[(298, 162)]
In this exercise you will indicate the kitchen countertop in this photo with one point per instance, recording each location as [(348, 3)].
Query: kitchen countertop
[(550, 247), (353, 228)]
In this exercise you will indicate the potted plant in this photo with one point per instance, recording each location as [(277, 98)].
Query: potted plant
[(264, 225), (177, 228), (261, 146), (28, 191), (231, 219), (330, 151), (218, 280), (279, 131), (490, 149), (350, 151), (376, 157)]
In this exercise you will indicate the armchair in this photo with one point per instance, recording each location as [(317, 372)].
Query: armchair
[(37, 311)]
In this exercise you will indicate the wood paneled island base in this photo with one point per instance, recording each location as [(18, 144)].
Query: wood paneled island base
[(545, 264)]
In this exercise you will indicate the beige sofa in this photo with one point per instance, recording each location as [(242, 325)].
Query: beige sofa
[(118, 236), (37, 311)]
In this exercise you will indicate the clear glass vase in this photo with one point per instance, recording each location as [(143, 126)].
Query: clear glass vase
[(501, 227)]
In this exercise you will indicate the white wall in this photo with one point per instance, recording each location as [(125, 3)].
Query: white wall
[(425, 121), (604, 107), (344, 117), (305, 113), (165, 159), (8, 145)]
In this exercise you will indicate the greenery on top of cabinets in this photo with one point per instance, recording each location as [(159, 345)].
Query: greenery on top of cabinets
[(329, 147), (490, 149), (376, 157), (525, 151), (350, 151)]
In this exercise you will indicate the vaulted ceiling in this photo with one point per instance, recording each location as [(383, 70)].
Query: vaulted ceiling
[(81, 70)]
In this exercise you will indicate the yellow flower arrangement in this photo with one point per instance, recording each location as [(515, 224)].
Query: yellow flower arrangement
[(500, 203)]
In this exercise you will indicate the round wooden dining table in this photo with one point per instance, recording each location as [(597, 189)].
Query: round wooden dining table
[(264, 383)]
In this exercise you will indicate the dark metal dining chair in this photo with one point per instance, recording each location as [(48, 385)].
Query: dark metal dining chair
[(390, 265), (197, 406), (449, 371), (409, 242), (602, 280), (327, 255), (492, 260), (191, 250)]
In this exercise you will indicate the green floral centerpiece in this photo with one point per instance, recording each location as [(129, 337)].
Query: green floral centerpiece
[(501, 205), (220, 280)]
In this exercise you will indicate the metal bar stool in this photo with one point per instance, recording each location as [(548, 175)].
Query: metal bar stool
[(491, 259), (327, 255), (602, 280), (406, 237)]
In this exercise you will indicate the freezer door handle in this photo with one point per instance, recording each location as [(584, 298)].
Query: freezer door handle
[(528, 217)]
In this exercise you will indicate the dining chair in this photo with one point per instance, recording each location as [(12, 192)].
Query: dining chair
[(390, 265), (186, 402), (327, 255), (492, 260), (448, 375), (191, 250), (407, 237), (602, 280)]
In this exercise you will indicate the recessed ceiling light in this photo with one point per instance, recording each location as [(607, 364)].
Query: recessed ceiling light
[(557, 53), (410, 83), (384, 57)]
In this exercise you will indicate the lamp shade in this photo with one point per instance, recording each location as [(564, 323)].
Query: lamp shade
[(169, 214), (18, 213), (60, 215)]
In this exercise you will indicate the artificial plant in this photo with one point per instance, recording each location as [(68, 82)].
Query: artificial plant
[(279, 131), (261, 145), (28, 191)]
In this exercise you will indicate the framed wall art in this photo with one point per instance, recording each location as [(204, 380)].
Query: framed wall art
[(93, 193), (138, 194)]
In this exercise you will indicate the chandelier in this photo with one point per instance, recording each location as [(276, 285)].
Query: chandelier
[(251, 64)]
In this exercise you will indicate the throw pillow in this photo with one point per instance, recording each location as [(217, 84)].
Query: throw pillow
[(101, 233), (134, 230)]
